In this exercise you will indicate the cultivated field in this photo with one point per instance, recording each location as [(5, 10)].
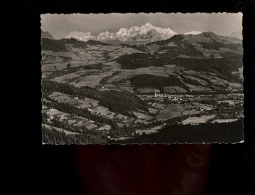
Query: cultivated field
[(197, 120), (169, 112), (224, 120)]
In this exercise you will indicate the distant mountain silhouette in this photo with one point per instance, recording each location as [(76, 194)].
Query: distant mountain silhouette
[(46, 35), (237, 34)]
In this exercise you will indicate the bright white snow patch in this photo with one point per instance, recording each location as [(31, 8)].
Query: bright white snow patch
[(193, 32), (133, 34)]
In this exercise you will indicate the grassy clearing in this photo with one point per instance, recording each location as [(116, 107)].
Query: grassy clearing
[(231, 102), (151, 130), (143, 116), (54, 112), (191, 112), (92, 80), (129, 73), (105, 128), (237, 85), (153, 111), (87, 103), (197, 120), (159, 106), (75, 120), (170, 111), (224, 120), (90, 125), (60, 97), (102, 111), (59, 129), (169, 69), (81, 103), (206, 107)]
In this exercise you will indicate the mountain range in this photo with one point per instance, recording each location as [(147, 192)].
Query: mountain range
[(142, 34), (139, 35), (46, 34)]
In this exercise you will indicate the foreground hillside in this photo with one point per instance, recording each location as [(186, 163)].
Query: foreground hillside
[(115, 91)]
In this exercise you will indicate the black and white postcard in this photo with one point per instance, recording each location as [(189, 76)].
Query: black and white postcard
[(157, 78)]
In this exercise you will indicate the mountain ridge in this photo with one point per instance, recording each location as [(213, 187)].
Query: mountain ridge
[(46, 34), (143, 33), (237, 34), (146, 34)]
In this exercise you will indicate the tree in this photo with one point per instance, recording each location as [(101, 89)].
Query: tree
[(68, 66)]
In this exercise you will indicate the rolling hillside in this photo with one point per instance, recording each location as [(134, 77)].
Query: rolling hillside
[(206, 54)]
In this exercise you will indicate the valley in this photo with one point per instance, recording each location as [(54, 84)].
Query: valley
[(98, 92)]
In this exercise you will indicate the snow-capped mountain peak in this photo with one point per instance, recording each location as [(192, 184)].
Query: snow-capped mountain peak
[(144, 33), (193, 32)]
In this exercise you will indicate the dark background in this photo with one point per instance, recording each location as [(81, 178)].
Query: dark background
[(27, 167)]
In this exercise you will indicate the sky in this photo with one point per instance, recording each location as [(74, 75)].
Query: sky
[(60, 25)]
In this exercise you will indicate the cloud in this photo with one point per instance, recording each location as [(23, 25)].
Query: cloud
[(145, 32), (193, 32)]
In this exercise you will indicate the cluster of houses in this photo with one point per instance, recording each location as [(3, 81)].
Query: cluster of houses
[(176, 98)]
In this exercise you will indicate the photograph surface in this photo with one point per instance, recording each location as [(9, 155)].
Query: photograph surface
[(142, 78)]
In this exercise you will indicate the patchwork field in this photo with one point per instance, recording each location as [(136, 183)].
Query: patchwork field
[(75, 120), (197, 120), (170, 111), (141, 88), (143, 116), (91, 80)]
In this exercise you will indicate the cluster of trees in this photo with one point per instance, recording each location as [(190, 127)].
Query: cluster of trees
[(122, 132), (98, 66), (137, 60), (53, 136), (93, 42), (174, 39), (106, 55), (158, 82), (223, 67), (183, 48), (122, 102), (207, 132), (54, 45)]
